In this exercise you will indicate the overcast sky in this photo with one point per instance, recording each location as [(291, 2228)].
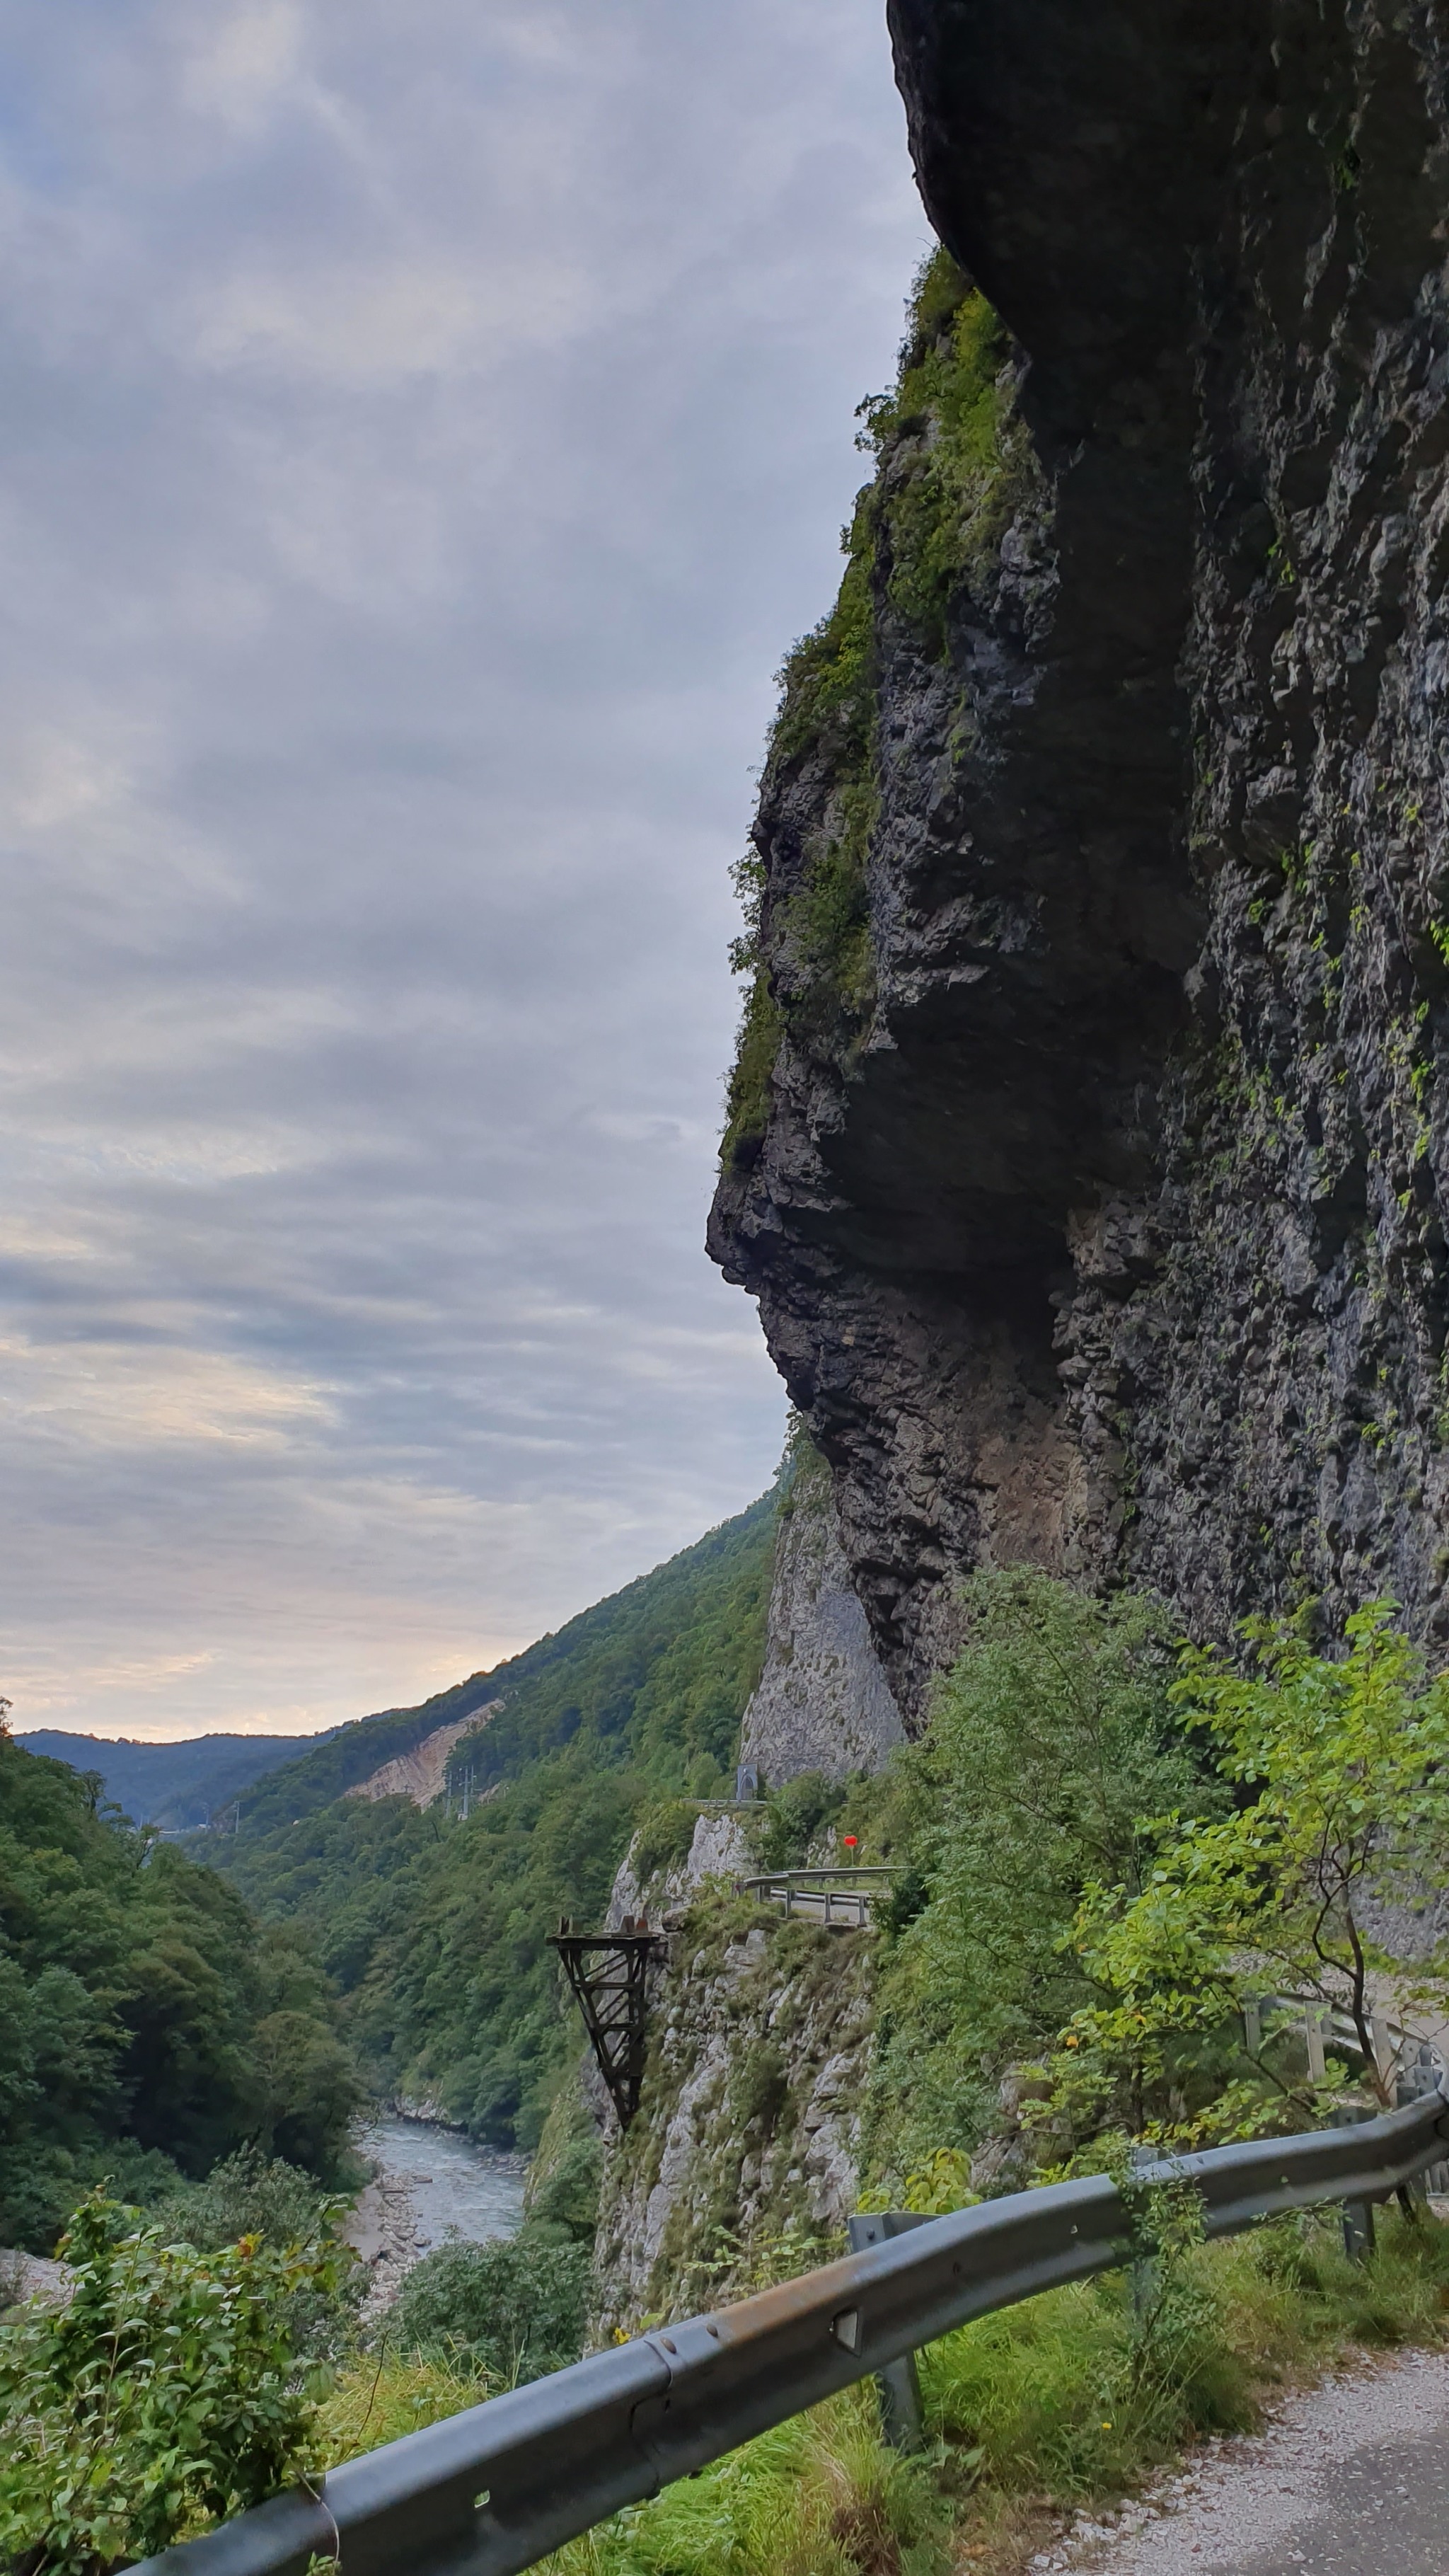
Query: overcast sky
[(425, 426)]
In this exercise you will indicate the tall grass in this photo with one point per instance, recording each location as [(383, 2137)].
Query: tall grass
[(1069, 2400)]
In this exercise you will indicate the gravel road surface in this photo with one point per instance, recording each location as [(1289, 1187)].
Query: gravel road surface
[(1349, 2479)]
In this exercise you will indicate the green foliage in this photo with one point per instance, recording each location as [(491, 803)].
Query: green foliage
[(279, 2205), (247, 2195), (1067, 2400), (514, 2308), (793, 1816), (168, 2395), (950, 462), (942, 2184), (1344, 1765), (826, 688), (436, 1930), (1048, 1742), (748, 1093), (143, 2024), (562, 2191), (663, 1836), (942, 511), (820, 2496), (828, 922)]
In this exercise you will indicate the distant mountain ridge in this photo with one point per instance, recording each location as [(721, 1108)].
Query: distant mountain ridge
[(177, 1786)]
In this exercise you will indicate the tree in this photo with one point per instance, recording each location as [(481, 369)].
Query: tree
[(168, 2390), (1050, 1739), (1342, 1767)]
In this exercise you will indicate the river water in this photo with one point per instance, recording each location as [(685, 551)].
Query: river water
[(452, 2186)]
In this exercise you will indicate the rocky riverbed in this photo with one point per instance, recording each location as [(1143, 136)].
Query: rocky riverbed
[(430, 2183)]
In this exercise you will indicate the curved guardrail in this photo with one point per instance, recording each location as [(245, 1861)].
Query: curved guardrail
[(492, 2490)]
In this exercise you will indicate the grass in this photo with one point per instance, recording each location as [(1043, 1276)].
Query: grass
[(1067, 2401)]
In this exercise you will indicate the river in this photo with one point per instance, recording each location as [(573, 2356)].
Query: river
[(452, 2187)]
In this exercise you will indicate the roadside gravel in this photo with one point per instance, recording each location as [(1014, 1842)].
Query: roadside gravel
[(1348, 2479)]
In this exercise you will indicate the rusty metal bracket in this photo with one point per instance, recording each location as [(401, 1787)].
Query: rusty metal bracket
[(608, 1973)]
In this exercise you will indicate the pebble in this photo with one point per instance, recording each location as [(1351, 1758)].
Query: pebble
[(1251, 2494)]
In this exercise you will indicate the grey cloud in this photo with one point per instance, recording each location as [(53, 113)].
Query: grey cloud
[(425, 432)]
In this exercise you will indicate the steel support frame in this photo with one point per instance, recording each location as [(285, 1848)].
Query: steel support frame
[(612, 1997)]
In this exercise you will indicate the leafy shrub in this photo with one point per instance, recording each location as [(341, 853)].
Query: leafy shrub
[(566, 2197), (1050, 1740), (283, 2207), (1341, 1764), (514, 2306), (247, 2196), (167, 2394), (794, 1815), (663, 1837)]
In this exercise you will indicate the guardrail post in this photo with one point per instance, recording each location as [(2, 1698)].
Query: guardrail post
[(898, 2386), (1358, 2215), (1313, 2021)]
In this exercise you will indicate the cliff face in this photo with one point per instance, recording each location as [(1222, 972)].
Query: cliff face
[(1089, 1144), (746, 2139), (823, 1703)]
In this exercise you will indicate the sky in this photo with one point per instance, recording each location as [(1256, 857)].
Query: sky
[(425, 428)]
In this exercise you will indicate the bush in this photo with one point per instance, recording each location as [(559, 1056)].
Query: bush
[(566, 2198), (663, 1837), (247, 2196), (283, 2207), (169, 2393), (514, 2307), (794, 1815)]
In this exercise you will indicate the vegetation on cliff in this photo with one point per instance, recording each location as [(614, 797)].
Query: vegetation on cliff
[(946, 451)]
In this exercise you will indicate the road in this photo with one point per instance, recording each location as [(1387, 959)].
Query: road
[(1350, 2479)]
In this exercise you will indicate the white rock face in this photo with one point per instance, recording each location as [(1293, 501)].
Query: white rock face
[(719, 1850), (823, 1703), (748, 2137)]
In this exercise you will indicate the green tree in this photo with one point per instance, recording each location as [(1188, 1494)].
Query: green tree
[(145, 2027), (167, 2395), (1049, 1741), (1342, 1765)]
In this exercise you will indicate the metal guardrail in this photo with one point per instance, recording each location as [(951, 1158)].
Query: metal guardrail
[(823, 1895), (493, 2490)]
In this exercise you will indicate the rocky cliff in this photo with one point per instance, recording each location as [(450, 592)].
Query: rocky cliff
[(822, 1702), (1089, 1141), (743, 2154)]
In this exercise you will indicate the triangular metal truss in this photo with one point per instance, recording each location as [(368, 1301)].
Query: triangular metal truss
[(608, 1973)]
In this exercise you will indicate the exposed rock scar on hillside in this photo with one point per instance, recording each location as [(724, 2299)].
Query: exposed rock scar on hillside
[(421, 1774)]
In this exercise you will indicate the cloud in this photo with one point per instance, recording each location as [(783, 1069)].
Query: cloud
[(425, 432), (240, 67)]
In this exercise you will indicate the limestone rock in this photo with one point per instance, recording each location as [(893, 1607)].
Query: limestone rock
[(1102, 1221), (823, 1703)]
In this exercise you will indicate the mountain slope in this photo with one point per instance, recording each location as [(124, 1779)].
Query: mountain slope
[(146, 2024), (334, 1764), (177, 1786), (435, 1929)]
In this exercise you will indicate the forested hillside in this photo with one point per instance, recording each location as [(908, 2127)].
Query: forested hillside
[(147, 2027), (177, 1786), (434, 1928)]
